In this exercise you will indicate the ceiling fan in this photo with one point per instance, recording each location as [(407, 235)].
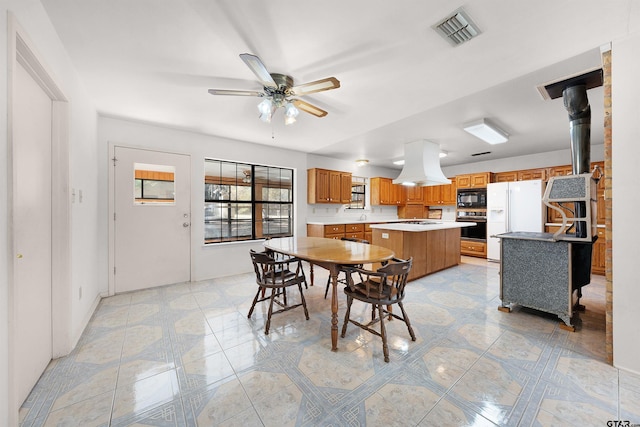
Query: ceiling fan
[(279, 90)]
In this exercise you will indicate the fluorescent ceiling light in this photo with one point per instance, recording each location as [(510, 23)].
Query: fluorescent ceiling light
[(399, 162), (487, 131)]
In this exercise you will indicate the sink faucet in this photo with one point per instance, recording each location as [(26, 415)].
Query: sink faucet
[(363, 217)]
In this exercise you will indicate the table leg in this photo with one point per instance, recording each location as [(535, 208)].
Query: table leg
[(311, 274), (334, 307)]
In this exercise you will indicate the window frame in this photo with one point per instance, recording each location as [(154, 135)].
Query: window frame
[(231, 226)]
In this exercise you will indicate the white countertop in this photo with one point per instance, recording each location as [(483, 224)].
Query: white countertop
[(427, 225), (366, 221)]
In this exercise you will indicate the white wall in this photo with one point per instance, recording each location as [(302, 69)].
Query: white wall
[(82, 136), (625, 158), (207, 261), (531, 161)]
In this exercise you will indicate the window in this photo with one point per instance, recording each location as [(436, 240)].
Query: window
[(153, 184), (246, 202), (358, 185)]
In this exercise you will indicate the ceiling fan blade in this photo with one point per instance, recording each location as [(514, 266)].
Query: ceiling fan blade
[(309, 108), (316, 86), (258, 69), (235, 92)]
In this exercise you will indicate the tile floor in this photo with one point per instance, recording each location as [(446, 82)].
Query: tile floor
[(186, 355)]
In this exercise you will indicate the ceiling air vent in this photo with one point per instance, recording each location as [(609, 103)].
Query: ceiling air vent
[(458, 28)]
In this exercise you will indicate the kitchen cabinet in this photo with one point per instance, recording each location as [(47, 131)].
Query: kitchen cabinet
[(440, 194), (510, 176), (410, 211), (521, 175), (385, 192), (327, 186), (474, 180), (525, 175), (337, 231), (345, 187), (473, 248), (332, 231), (431, 250), (598, 259), (415, 194)]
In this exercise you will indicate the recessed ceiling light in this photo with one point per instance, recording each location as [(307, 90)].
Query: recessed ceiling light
[(399, 162)]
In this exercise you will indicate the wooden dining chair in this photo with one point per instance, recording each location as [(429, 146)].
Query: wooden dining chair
[(345, 269), (381, 288), (277, 275)]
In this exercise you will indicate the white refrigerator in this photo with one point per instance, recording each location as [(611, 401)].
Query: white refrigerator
[(513, 206)]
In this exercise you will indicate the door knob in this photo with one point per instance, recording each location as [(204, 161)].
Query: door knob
[(185, 224)]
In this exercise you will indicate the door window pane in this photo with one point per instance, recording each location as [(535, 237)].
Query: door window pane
[(153, 184)]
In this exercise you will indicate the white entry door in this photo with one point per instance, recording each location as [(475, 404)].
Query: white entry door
[(32, 120), (152, 219)]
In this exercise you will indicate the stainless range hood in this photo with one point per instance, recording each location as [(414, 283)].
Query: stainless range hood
[(421, 165)]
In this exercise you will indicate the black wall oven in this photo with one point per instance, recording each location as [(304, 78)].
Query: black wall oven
[(474, 232)]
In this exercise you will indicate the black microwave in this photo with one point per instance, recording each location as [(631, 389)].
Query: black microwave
[(472, 198)]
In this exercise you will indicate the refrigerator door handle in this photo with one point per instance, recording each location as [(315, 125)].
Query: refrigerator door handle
[(508, 213)]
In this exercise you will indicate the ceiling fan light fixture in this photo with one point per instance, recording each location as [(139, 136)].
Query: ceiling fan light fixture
[(486, 131), (290, 113)]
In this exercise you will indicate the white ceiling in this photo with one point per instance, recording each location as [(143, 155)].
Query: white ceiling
[(153, 61)]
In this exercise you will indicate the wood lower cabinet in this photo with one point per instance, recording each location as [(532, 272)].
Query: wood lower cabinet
[(431, 251), (473, 248), (337, 231)]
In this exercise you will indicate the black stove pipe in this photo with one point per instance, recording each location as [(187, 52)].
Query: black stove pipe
[(577, 105)]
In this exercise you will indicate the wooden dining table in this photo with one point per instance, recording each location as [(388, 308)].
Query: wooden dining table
[(330, 254)]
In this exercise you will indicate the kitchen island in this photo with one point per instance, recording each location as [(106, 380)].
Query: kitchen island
[(433, 245)]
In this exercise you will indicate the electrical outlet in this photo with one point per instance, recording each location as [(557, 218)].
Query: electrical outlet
[(385, 235)]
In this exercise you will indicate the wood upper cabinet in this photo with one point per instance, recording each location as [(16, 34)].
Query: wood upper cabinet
[(415, 194), (327, 186), (521, 175), (385, 192), (440, 194), (525, 175), (474, 180), (448, 195), (560, 170), (345, 187), (505, 176), (432, 195)]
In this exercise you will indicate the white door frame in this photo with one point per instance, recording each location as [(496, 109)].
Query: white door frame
[(21, 50), (112, 194)]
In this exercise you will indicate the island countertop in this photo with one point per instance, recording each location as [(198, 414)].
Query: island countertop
[(422, 225)]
